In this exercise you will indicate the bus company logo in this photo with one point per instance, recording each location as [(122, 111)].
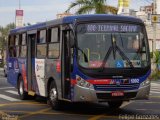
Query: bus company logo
[(39, 62), (118, 82), (39, 67), (115, 81)]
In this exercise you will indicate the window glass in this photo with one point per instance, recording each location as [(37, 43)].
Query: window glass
[(11, 41), (17, 39), (41, 50), (41, 36), (54, 35), (24, 39), (23, 51), (20, 39), (53, 50), (12, 52), (111, 45), (17, 51)]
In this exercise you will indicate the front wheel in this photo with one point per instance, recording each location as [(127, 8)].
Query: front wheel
[(23, 94), (53, 96), (115, 104)]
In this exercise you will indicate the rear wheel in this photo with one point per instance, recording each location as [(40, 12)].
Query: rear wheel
[(115, 104), (23, 94), (53, 96)]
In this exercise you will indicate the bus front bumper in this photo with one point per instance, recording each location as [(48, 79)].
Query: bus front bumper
[(91, 95)]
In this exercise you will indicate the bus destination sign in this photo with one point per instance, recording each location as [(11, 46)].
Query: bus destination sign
[(91, 28)]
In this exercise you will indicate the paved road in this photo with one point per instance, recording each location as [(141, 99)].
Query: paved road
[(11, 107)]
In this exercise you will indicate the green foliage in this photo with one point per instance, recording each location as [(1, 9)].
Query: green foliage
[(156, 60), (4, 34), (87, 6), (155, 75), (4, 31), (151, 54)]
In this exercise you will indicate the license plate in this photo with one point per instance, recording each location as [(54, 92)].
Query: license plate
[(117, 93)]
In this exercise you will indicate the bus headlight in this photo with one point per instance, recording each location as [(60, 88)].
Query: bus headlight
[(83, 83), (145, 83)]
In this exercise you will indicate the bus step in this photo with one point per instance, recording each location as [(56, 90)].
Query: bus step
[(31, 93)]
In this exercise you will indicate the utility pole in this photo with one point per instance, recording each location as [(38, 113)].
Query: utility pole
[(19, 4), (154, 27)]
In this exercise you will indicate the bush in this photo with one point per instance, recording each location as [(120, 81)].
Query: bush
[(151, 54), (155, 75)]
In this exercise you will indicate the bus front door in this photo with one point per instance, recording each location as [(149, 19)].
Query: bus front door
[(31, 62), (66, 81)]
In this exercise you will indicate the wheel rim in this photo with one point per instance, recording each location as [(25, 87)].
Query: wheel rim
[(21, 88), (53, 95)]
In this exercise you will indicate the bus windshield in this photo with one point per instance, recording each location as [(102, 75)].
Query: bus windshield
[(112, 45)]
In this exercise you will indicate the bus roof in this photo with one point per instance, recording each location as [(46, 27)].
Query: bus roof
[(72, 19)]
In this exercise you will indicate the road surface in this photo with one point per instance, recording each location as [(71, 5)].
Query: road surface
[(37, 109)]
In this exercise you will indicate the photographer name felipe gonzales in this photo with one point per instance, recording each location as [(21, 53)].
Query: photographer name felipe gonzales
[(138, 117)]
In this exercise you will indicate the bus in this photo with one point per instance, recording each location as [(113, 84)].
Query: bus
[(84, 58)]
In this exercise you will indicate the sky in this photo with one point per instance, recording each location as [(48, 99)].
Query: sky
[(44, 10)]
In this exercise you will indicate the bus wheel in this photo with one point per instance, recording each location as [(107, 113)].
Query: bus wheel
[(115, 104), (23, 95), (53, 96)]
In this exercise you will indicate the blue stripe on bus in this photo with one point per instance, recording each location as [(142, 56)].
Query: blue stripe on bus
[(72, 19)]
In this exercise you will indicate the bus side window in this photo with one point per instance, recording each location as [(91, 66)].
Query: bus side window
[(17, 41), (23, 45), (53, 43), (12, 50), (41, 43)]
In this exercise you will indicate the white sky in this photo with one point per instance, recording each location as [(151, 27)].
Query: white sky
[(43, 10)]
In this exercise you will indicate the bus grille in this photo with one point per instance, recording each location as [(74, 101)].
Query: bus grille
[(116, 87)]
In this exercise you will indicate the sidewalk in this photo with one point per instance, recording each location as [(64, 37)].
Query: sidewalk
[(155, 81)]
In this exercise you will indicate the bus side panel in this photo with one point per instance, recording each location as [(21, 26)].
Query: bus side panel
[(23, 71), (53, 70), (13, 71), (39, 79)]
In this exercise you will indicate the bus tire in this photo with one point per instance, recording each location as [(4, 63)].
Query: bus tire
[(53, 96), (115, 104), (22, 94)]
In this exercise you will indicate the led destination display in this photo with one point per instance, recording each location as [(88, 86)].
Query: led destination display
[(111, 28)]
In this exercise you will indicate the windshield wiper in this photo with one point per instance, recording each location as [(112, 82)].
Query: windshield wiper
[(124, 56), (115, 48), (105, 59)]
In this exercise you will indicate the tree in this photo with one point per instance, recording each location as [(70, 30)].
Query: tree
[(4, 31), (87, 6)]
